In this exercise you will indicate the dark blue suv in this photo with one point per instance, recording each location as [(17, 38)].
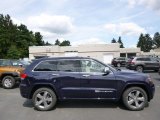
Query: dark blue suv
[(62, 78)]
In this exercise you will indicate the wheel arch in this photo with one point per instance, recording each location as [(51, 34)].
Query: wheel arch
[(13, 74), (36, 87), (143, 86), (140, 65)]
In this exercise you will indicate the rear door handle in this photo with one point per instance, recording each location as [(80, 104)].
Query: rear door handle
[(55, 74), (85, 75)]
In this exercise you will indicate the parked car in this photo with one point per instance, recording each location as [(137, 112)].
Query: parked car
[(24, 63), (119, 61), (9, 73), (49, 80), (143, 63)]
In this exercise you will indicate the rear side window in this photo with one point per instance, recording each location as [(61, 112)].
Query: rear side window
[(120, 58), (5, 63), (147, 59), (143, 59), (140, 59), (16, 63), (69, 65), (47, 66)]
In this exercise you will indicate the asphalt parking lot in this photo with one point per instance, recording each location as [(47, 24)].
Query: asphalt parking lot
[(14, 107)]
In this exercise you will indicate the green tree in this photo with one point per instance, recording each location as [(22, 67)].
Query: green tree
[(39, 38), (7, 34), (145, 42), (65, 43), (57, 42), (15, 40), (149, 43), (156, 40), (120, 42), (13, 52), (113, 41), (47, 43)]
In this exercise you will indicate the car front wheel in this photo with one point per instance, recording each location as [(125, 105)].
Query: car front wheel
[(135, 98), (44, 99)]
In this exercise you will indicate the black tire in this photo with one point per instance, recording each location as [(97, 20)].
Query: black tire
[(130, 102), (156, 70), (51, 95), (8, 82), (139, 68)]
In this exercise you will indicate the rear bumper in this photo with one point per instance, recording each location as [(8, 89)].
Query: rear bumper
[(25, 90)]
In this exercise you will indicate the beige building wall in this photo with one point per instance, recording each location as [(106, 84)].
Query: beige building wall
[(98, 51)]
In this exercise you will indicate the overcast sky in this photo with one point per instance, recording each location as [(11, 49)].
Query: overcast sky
[(86, 21)]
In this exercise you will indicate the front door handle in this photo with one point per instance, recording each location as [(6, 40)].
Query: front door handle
[(85, 75), (55, 74)]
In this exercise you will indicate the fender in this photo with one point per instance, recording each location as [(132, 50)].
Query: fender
[(14, 74), (39, 85), (129, 84)]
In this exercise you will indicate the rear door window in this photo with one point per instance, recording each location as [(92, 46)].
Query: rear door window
[(69, 65), (140, 59), (47, 66), (147, 59)]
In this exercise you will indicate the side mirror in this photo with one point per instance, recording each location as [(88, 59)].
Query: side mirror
[(106, 70)]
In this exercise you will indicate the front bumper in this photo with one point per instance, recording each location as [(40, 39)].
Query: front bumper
[(152, 92)]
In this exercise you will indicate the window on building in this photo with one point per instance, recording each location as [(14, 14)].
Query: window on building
[(122, 54)]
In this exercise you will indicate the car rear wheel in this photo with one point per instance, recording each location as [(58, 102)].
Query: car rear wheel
[(8, 82), (135, 98), (139, 68), (44, 99)]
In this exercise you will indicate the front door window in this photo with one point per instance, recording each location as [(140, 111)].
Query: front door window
[(92, 66)]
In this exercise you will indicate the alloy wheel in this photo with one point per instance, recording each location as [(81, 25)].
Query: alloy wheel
[(136, 99), (7, 82), (43, 99)]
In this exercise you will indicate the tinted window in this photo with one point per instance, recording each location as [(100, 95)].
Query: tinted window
[(5, 63), (92, 66), (140, 59), (147, 59), (69, 65), (47, 66), (120, 58), (143, 59), (16, 63), (155, 59)]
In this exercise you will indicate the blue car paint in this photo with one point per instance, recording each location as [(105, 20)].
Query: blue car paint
[(72, 85)]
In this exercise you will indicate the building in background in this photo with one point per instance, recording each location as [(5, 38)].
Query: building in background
[(102, 52)]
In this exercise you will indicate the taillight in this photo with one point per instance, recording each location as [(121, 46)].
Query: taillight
[(23, 76), (131, 62)]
